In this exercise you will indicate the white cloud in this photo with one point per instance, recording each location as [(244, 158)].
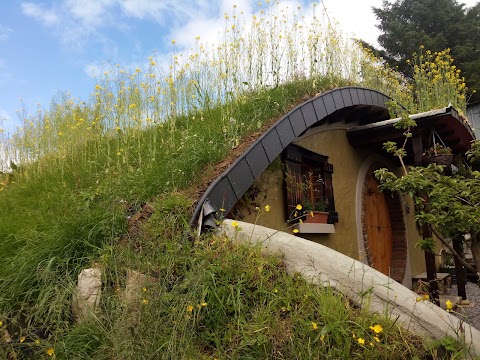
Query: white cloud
[(157, 9), (36, 11), (91, 13), (95, 69), (4, 32), (4, 116)]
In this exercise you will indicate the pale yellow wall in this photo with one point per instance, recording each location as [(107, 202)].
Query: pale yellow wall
[(347, 162)]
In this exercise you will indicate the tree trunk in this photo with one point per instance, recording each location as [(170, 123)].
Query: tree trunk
[(476, 251)]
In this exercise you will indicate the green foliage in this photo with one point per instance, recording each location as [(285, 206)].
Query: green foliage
[(408, 25), (427, 244)]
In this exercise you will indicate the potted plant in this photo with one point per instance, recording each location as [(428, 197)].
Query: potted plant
[(315, 212), (438, 154)]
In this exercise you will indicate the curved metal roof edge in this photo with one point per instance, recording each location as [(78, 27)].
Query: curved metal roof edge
[(226, 190)]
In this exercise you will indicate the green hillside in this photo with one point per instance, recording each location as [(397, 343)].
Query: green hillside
[(81, 170)]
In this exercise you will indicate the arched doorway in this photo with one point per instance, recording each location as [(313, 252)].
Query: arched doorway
[(383, 228)]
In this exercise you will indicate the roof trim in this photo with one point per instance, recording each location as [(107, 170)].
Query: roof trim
[(230, 186), (452, 128)]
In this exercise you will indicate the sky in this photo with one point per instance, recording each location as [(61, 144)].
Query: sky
[(48, 47)]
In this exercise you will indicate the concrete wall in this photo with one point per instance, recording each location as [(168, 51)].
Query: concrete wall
[(350, 167)]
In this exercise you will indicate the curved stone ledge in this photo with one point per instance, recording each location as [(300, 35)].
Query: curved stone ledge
[(324, 266)]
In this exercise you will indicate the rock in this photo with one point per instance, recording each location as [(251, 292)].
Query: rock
[(87, 296), (133, 295), (135, 283), (327, 267), (7, 339)]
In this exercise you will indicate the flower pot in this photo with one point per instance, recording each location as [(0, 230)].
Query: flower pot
[(319, 217), (440, 159)]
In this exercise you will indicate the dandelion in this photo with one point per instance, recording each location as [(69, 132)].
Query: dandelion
[(377, 328), (361, 341), (322, 337), (203, 304), (189, 308), (50, 352), (376, 338), (314, 325), (298, 207), (144, 289), (235, 224), (267, 208)]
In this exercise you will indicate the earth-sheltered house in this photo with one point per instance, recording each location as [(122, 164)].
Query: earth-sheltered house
[(322, 155)]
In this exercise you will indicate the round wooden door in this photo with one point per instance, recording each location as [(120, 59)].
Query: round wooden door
[(378, 225)]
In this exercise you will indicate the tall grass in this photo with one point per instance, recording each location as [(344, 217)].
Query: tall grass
[(80, 168)]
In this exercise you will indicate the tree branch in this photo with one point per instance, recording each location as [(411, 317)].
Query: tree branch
[(452, 250)]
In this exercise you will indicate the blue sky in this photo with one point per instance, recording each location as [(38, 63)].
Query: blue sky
[(52, 46)]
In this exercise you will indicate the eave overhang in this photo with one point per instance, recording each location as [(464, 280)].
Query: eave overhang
[(453, 129)]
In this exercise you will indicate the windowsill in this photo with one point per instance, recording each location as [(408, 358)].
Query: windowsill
[(308, 228)]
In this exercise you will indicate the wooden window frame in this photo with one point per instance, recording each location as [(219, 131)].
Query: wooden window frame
[(300, 163)]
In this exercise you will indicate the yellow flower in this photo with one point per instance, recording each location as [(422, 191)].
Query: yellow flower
[(22, 339), (425, 297), (267, 208), (449, 305), (222, 210), (376, 339), (377, 328), (50, 352), (295, 231), (145, 301), (203, 304), (298, 207), (1, 323), (174, 41), (235, 224), (189, 308), (37, 342), (361, 341), (314, 326), (322, 337), (144, 289)]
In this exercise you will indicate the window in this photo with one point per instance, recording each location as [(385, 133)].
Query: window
[(308, 181)]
